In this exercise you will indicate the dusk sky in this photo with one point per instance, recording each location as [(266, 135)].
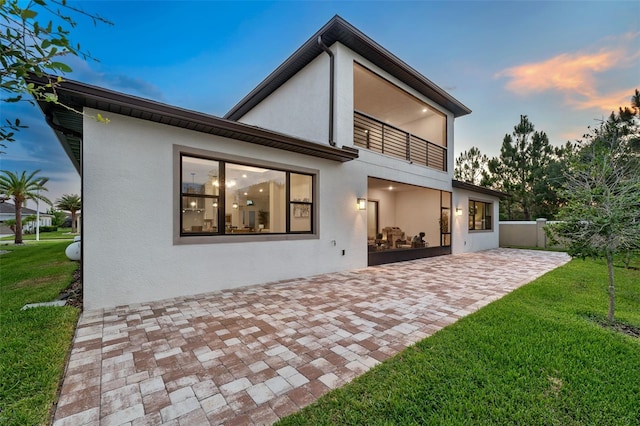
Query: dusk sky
[(564, 64)]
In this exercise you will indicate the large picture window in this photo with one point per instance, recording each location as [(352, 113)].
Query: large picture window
[(480, 216), (220, 197)]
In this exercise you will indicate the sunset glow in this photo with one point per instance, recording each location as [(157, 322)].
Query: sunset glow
[(578, 75)]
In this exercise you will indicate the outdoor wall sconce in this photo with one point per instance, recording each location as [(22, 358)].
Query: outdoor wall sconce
[(362, 203), (458, 211)]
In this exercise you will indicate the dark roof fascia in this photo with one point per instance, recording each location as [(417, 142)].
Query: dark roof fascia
[(479, 189), (79, 95), (339, 30)]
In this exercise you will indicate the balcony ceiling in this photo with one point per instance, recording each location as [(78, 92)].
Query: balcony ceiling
[(381, 99)]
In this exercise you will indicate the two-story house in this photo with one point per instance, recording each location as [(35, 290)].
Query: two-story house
[(341, 158)]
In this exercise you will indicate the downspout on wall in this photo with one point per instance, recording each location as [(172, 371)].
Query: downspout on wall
[(331, 88)]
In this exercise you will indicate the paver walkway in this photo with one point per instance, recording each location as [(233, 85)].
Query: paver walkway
[(255, 354)]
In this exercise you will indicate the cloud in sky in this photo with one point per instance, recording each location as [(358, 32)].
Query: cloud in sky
[(84, 72), (576, 75)]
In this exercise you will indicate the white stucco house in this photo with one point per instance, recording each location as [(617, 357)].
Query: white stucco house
[(341, 158), (8, 212)]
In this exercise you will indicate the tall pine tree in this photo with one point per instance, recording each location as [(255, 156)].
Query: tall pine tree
[(524, 171)]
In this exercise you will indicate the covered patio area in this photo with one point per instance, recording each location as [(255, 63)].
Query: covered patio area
[(255, 354)]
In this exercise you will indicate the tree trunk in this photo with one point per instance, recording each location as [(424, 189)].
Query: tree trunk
[(627, 259), (612, 297), (18, 239), (73, 221)]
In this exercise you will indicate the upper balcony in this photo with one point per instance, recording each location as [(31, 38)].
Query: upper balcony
[(391, 121)]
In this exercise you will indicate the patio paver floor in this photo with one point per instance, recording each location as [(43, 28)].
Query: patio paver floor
[(255, 354)]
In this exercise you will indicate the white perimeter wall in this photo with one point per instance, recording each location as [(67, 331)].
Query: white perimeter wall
[(128, 250), (463, 240)]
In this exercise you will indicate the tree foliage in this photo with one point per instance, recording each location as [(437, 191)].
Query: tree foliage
[(57, 216), (21, 188), (471, 166), (530, 170), (601, 216), (11, 224), (70, 203), (35, 37)]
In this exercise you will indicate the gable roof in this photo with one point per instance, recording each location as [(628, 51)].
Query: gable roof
[(67, 123), (339, 30), (9, 208)]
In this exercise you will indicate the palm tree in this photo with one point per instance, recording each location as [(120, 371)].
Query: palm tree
[(22, 188), (71, 203)]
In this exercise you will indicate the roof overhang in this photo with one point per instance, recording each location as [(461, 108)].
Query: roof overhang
[(339, 30), (479, 189), (66, 121)]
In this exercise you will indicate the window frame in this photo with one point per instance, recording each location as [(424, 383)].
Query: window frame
[(179, 237), (487, 206)]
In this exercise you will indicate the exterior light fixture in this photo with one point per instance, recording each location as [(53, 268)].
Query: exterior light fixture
[(458, 211), (362, 203)]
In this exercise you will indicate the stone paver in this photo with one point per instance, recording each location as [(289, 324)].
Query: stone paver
[(256, 354)]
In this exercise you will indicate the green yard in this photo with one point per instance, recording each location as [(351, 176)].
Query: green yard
[(535, 357), (60, 234), (33, 343)]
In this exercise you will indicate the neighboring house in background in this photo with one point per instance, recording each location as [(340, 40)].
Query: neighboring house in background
[(8, 212), (341, 158)]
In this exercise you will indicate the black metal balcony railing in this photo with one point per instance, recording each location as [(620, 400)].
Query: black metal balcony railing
[(375, 135)]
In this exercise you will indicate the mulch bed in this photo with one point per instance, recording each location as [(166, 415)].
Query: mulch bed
[(618, 326), (73, 293)]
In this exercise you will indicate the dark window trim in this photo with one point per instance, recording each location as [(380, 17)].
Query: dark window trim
[(207, 238), (446, 208), (473, 229)]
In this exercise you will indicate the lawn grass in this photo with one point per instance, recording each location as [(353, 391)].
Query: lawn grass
[(60, 234), (34, 342), (532, 358)]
